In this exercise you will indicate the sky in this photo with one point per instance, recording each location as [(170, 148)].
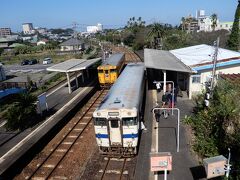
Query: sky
[(110, 13)]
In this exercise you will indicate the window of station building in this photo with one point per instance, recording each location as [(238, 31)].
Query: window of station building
[(100, 71), (131, 121), (196, 78), (114, 123), (100, 122)]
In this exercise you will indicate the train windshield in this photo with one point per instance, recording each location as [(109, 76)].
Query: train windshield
[(100, 71), (100, 121), (113, 70), (130, 121)]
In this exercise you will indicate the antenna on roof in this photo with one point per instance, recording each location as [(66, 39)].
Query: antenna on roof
[(117, 100)]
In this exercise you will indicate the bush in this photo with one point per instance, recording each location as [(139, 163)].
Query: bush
[(217, 127), (21, 114)]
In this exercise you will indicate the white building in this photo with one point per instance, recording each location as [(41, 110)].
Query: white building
[(95, 29), (200, 59), (225, 25), (28, 28)]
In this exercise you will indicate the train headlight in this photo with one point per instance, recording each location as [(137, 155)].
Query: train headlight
[(129, 113), (99, 114)]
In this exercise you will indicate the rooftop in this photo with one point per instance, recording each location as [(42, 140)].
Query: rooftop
[(199, 54), (72, 42), (231, 77), (73, 65), (159, 59)]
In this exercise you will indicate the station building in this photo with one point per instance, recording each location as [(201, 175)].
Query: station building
[(189, 67), (200, 59)]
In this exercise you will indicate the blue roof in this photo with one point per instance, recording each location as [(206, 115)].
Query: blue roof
[(222, 64)]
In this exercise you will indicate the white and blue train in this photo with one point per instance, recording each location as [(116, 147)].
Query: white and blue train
[(117, 121)]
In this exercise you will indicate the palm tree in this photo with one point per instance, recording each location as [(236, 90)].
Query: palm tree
[(21, 114), (157, 33), (183, 23), (214, 21)]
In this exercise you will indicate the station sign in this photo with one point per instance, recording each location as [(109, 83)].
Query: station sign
[(161, 161)]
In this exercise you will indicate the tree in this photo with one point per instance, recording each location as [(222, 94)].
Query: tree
[(21, 114), (214, 21), (234, 38), (157, 32)]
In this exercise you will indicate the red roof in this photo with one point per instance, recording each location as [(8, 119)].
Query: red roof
[(231, 77)]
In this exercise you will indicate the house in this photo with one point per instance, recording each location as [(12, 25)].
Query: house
[(42, 42), (72, 44), (5, 42), (200, 59)]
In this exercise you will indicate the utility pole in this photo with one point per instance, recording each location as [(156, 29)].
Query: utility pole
[(216, 44), (74, 27)]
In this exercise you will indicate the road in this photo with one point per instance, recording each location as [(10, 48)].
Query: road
[(11, 69)]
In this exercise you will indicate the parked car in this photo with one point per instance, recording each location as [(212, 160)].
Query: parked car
[(47, 61), (32, 61), (24, 62)]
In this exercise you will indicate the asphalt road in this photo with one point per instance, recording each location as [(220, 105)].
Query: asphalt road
[(10, 69)]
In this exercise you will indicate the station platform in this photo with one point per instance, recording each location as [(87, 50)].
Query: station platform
[(184, 164), (60, 104)]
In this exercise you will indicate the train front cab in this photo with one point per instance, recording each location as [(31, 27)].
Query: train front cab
[(120, 135), (107, 75)]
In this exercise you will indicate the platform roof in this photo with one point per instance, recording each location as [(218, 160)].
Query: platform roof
[(164, 60), (203, 53), (73, 65)]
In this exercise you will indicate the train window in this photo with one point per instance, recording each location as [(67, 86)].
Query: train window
[(106, 71), (100, 122), (100, 71), (131, 121), (113, 70), (114, 123)]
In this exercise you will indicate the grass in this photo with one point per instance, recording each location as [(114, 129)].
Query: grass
[(16, 59)]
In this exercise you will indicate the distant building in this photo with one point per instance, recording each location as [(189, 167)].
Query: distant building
[(41, 30), (225, 25), (203, 22), (5, 42), (28, 28), (95, 29), (190, 24), (5, 32), (72, 44)]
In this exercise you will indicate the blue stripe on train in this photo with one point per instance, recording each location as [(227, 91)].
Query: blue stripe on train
[(124, 135), (101, 135), (130, 135)]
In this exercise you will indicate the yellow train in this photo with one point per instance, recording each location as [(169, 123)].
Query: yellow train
[(110, 69)]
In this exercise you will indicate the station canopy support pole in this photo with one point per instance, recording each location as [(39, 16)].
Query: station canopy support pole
[(164, 81), (76, 78), (69, 83)]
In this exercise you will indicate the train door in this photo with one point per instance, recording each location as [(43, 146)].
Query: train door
[(115, 132), (107, 76)]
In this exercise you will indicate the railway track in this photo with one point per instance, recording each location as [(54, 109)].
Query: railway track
[(129, 55), (117, 168), (48, 165)]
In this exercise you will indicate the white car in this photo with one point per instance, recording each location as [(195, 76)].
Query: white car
[(47, 61)]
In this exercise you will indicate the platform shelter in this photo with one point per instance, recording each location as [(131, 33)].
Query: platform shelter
[(76, 66)]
